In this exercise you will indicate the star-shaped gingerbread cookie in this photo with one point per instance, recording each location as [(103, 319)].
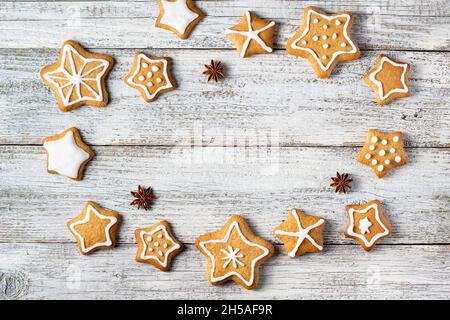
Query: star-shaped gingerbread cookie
[(150, 76), (178, 16), (383, 151), (78, 77), (234, 253), (67, 154), (367, 224), (157, 245), (252, 35), (389, 79), (324, 40), (301, 233), (94, 228)]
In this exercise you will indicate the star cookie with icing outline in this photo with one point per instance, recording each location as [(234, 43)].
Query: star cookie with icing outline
[(67, 154), (157, 245), (178, 16), (301, 233), (252, 35), (150, 76), (78, 77), (94, 228), (324, 40), (235, 253), (367, 224), (383, 151), (389, 79)]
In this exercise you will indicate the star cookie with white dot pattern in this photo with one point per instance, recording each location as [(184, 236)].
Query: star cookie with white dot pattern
[(367, 224), (234, 253), (301, 233), (67, 154), (383, 151), (157, 245), (324, 39), (150, 76), (389, 79)]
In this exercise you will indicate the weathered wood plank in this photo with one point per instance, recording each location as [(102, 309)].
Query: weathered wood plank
[(197, 190), (58, 271), (238, 111), (382, 24)]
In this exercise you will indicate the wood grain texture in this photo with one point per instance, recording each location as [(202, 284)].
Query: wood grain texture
[(241, 110), (404, 25), (198, 189), (58, 271)]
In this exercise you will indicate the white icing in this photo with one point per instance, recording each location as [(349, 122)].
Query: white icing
[(304, 42), (234, 225), (398, 159), (156, 244), (379, 85), (374, 139), (324, 37), (343, 44), (368, 156), (392, 150), (91, 210), (145, 65), (382, 153), (301, 234), (155, 69), (380, 168), (360, 236), (316, 20), (325, 26), (177, 15), (141, 78), (252, 35), (65, 156), (146, 247), (326, 46), (396, 138), (335, 54), (70, 85), (364, 225), (372, 147), (338, 23), (387, 162), (315, 38), (384, 142), (374, 161), (232, 256)]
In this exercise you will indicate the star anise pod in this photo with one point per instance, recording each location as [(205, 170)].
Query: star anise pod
[(214, 71), (143, 197), (341, 182)]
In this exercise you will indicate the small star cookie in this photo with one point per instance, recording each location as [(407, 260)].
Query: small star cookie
[(252, 35), (78, 77), (94, 228), (367, 224), (234, 253), (157, 245), (178, 16), (67, 154), (324, 40), (301, 233), (150, 75), (388, 79), (383, 151)]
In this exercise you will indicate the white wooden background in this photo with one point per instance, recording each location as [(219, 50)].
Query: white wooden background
[(266, 139)]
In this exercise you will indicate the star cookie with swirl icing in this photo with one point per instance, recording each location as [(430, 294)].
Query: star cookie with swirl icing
[(324, 39), (383, 151), (234, 253)]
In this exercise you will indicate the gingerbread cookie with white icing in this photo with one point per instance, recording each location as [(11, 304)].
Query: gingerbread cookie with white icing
[(383, 151), (157, 245), (367, 224), (67, 154), (324, 39), (78, 77), (234, 253), (389, 79), (94, 228), (301, 233), (150, 76), (178, 16), (252, 35)]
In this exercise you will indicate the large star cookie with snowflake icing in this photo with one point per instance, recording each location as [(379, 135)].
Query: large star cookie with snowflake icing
[(389, 79), (94, 228), (324, 40), (367, 224), (301, 233), (252, 35), (150, 76), (234, 253), (383, 151), (78, 77), (178, 16), (157, 245), (67, 154)]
